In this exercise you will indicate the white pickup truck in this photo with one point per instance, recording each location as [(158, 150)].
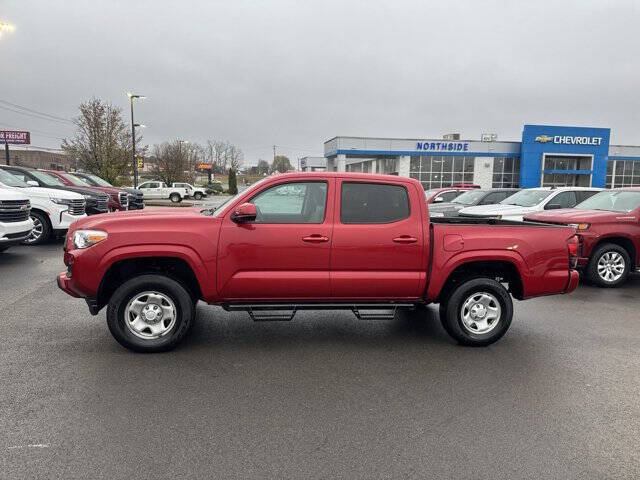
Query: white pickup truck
[(52, 211), (15, 224), (194, 192), (154, 190)]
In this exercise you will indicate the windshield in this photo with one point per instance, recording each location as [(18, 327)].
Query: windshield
[(526, 198), (612, 201), (471, 197), (11, 180), (48, 180), (77, 181), (95, 180)]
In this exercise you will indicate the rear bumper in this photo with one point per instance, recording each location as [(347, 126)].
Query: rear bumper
[(574, 279)]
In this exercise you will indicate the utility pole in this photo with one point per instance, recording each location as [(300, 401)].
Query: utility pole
[(274, 154), (133, 138)]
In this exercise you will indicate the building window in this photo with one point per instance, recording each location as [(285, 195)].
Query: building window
[(506, 172), (623, 173), (442, 171)]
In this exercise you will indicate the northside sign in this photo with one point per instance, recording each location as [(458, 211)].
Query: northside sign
[(442, 146), (15, 137)]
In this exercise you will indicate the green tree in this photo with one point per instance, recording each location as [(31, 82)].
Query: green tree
[(102, 141), (281, 164), (233, 182), (263, 167)]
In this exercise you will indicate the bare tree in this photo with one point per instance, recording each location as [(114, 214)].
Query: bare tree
[(102, 142), (173, 162), (234, 158)]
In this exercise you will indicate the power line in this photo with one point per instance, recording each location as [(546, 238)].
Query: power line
[(33, 115), (55, 117)]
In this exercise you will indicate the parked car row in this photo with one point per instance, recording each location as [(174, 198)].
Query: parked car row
[(607, 221), (38, 204)]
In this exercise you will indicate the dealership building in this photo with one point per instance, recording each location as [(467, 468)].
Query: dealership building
[(546, 156)]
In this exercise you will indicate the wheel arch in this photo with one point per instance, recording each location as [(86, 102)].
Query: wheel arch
[(172, 267), (502, 270), (621, 241)]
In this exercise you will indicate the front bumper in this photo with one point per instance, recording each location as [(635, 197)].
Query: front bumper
[(61, 220)]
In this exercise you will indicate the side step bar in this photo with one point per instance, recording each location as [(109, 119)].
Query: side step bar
[(286, 312)]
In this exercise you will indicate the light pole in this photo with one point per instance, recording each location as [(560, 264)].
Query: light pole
[(133, 138)]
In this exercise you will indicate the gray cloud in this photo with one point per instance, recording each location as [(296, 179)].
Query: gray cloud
[(296, 73)]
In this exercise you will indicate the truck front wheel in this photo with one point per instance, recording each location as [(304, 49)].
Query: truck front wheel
[(150, 313), (197, 196), (478, 312)]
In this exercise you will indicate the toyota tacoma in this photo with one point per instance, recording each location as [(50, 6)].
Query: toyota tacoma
[(299, 241)]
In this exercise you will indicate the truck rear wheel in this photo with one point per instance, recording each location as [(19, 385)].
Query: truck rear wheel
[(150, 313), (478, 312), (609, 266), (175, 197)]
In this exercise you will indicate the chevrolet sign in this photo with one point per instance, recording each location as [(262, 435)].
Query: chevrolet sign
[(569, 140)]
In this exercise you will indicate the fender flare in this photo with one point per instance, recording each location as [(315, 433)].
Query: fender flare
[(472, 256)]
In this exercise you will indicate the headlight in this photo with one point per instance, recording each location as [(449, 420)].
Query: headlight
[(436, 214), (61, 201), (494, 217), (88, 238), (580, 226)]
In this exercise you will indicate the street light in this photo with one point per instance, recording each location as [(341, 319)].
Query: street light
[(133, 137), (6, 28)]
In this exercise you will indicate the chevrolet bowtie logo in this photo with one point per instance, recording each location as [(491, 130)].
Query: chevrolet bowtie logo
[(544, 139)]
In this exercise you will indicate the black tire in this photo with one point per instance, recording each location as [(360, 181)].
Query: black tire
[(592, 269), (2, 249), (39, 219), (451, 312), (175, 197), (197, 196), (181, 298)]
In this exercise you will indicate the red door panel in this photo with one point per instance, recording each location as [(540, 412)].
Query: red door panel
[(273, 261), (378, 260)]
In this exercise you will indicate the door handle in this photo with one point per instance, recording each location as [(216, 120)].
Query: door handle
[(316, 237), (405, 239)]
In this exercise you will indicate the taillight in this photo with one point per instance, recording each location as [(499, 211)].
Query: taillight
[(573, 246)]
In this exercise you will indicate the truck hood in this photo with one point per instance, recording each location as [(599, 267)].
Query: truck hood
[(135, 220), (575, 215), (10, 194), (497, 209)]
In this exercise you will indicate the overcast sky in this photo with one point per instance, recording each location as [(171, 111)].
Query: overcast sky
[(296, 73)]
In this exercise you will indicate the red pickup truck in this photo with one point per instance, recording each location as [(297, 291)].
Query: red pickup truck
[(298, 241), (608, 227)]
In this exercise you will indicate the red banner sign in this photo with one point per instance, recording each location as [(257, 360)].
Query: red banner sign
[(15, 137)]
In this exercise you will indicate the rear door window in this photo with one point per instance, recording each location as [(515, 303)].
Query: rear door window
[(373, 203)]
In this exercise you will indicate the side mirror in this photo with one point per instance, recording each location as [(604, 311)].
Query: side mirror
[(552, 206), (438, 200), (244, 213), (33, 183)]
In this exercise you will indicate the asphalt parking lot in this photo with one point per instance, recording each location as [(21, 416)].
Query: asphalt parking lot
[(324, 396)]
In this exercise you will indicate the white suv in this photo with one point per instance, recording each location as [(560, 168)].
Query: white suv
[(531, 200), (51, 210), (15, 224)]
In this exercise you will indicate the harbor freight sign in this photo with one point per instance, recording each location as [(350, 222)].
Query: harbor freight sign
[(15, 137)]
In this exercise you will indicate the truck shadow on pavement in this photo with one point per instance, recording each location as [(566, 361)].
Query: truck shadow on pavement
[(216, 328)]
